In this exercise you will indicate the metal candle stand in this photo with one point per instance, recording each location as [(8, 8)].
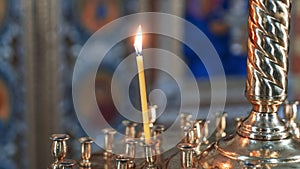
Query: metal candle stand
[(261, 140)]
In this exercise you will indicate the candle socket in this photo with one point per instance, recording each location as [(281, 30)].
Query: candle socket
[(109, 136), (157, 131), (122, 161), (152, 115), (67, 164), (85, 151), (58, 148), (200, 129), (109, 162), (130, 151), (150, 156), (185, 119), (130, 148), (221, 125), (130, 131), (198, 137), (187, 155), (290, 115), (189, 133)]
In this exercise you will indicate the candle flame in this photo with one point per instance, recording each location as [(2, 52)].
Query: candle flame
[(138, 41)]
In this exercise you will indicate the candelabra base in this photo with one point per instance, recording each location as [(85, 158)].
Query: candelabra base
[(236, 151)]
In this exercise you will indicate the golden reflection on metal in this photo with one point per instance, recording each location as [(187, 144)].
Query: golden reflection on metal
[(109, 136), (85, 151), (67, 164), (58, 149), (221, 124), (151, 160), (262, 139), (238, 121), (187, 155), (290, 110), (122, 162), (130, 128), (264, 153)]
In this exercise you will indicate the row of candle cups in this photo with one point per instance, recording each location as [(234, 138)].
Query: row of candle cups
[(59, 150), (193, 146), (195, 140)]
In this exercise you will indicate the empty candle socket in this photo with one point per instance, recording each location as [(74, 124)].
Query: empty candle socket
[(85, 151), (109, 136), (58, 148), (130, 131), (157, 131), (189, 135), (130, 151), (150, 156), (198, 134), (221, 124), (187, 155), (290, 110), (152, 115), (122, 161), (185, 119)]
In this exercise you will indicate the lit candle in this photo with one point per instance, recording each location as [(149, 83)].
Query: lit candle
[(143, 94)]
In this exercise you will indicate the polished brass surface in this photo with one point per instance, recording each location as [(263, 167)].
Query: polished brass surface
[(290, 114), (187, 155), (152, 115), (204, 130), (267, 66), (59, 149), (198, 130), (129, 128), (238, 121), (122, 162), (262, 140), (150, 156), (268, 44), (67, 164), (221, 124), (158, 129), (85, 151), (109, 136), (130, 150), (189, 133), (185, 119)]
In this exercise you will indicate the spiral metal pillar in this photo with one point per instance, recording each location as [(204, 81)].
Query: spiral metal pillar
[(262, 140), (267, 66)]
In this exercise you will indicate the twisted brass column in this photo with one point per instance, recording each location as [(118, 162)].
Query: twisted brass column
[(262, 139), (267, 66)]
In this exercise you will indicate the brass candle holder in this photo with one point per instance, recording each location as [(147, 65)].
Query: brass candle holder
[(150, 156), (187, 155), (67, 164), (59, 149), (122, 162), (262, 140), (85, 151)]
